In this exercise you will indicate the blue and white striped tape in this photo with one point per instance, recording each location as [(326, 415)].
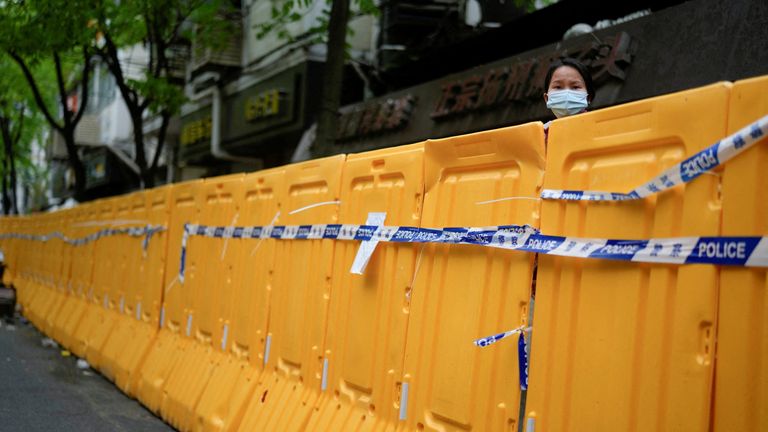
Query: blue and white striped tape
[(506, 236), (737, 251), (146, 231), (687, 170)]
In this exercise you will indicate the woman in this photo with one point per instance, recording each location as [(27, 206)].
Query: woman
[(569, 91), (569, 88)]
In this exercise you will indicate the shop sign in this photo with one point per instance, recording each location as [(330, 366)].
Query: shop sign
[(264, 105), (379, 116), (196, 130), (522, 81)]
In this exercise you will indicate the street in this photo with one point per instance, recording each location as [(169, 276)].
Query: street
[(42, 389)]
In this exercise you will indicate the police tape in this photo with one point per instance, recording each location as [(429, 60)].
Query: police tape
[(687, 170), (736, 251), (492, 339), (145, 231)]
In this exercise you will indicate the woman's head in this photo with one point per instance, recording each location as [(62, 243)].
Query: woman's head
[(569, 88)]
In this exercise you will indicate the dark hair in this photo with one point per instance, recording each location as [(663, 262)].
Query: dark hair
[(572, 62)]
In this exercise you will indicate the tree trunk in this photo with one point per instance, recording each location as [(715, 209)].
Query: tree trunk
[(9, 172), (6, 197), (333, 74), (13, 183), (161, 135), (141, 156), (75, 163)]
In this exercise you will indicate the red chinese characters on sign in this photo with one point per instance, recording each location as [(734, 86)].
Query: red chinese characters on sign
[(523, 81), (387, 115)]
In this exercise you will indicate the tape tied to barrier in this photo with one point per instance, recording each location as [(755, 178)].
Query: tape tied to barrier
[(704, 161), (144, 231), (737, 251)]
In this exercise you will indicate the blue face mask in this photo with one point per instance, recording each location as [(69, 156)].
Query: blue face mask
[(566, 102)]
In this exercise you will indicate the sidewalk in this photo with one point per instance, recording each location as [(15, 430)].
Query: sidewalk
[(42, 390)]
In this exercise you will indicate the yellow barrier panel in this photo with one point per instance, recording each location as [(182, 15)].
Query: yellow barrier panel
[(620, 345), (27, 253), (209, 287), (148, 292), (37, 290), (60, 288), (132, 211), (222, 404), (137, 322), (107, 273), (66, 290), (291, 382), (48, 298), (365, 342), (94, 292), (10, 249), (39, 274), (82, 271), (151, 378), (741, 388), (464, 292)]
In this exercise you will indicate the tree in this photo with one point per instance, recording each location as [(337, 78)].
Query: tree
[(20, 125), (332, 29), (50, 41), (163, 24)]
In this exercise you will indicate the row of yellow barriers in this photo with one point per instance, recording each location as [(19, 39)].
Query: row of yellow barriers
[(279, 335)]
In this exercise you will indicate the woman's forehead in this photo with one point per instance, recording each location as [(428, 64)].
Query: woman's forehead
[(566, 73)]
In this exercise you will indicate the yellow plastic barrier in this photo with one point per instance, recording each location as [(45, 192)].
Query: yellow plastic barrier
[(152, 377), (35, 276), (464, 292), (290, 385), (29, 259), (94, 292), (741, 388), (208, 289), (620, 345), (82, 265), (365, 342), (222, 404), (45, 297), (108, 272), (10, 249), (132, 211), (60, 272), (149, 290), (137, 322), (66, 290)]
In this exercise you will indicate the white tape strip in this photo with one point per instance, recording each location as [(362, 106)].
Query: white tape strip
[(684, 172), (404, 401), (266, 349), (311, 206), (224, 337), (507, 199), (189, 324), (324, 381), (365, 251)]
